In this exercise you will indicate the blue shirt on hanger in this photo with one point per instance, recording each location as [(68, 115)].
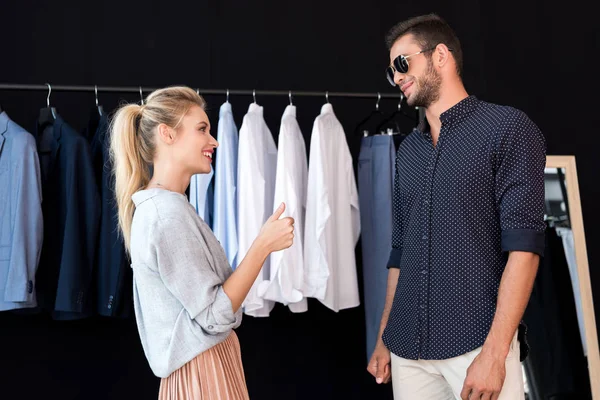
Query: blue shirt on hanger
[(225, 196)]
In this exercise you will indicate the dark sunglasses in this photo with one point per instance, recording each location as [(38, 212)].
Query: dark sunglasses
[(400, 64)]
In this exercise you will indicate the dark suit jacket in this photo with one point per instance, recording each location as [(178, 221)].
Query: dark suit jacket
[(71, 210), (113, 273)]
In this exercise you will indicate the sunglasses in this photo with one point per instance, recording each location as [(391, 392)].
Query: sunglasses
[(400, 64)]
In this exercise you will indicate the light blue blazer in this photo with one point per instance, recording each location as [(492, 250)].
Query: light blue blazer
[(21, 222)]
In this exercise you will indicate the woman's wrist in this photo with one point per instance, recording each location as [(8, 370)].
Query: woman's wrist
[(260, 248)]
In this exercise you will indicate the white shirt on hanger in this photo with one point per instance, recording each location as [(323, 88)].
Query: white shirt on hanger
[(332, 217), (257, 162), (286, 280)]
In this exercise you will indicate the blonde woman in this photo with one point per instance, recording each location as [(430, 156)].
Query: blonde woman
[(187, 300)]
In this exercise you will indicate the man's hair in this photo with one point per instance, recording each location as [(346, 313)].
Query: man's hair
[(428, 31)]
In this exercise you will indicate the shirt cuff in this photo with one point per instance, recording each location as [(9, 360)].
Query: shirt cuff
[(219, 318), (527, 240), (315, 287), (395, 256)]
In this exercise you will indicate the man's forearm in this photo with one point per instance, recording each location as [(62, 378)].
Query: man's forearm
[(513, 296), (392, 281)]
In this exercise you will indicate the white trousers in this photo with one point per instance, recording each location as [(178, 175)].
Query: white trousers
[(444, 379)]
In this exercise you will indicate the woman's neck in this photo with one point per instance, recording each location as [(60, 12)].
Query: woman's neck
[(169, 178)]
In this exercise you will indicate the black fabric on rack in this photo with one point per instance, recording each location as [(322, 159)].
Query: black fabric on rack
[(71, 210), (114, 277), (556, 367), (91, 129)]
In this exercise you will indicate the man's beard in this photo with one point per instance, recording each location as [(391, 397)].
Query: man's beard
[(428, 88)]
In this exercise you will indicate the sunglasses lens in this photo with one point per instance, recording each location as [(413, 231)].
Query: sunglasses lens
[(401, 64), (389, 73)]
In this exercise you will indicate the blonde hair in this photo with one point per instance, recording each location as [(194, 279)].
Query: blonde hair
[(133, 143)]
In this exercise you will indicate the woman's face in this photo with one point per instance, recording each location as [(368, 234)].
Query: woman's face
[(194, 146)]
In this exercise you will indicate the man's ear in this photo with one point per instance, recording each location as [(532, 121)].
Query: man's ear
[(441, 55)]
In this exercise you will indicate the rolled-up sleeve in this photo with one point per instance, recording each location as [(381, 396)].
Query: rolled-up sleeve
[(397, 232), (521, 159), (184, 264)]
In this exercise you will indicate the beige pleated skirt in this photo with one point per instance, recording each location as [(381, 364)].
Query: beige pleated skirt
[(216, 374)]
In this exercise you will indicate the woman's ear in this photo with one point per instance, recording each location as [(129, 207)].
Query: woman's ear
[(166, 134)]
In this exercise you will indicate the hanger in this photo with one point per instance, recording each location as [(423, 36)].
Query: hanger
[(563, 190), (141, 97), (367, 126), (327, 97), (291, 104), (100, 109), (47, 115), (392, 124), (254, 95), (227, 94)]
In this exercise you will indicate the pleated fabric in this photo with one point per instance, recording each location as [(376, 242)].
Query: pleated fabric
[(216, 374)]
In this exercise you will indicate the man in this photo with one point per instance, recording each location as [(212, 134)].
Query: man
[(468, 230)]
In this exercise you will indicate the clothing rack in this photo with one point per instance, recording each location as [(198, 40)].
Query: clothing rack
[(140, 90)]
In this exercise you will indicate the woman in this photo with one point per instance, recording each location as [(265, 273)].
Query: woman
[(187, 300)]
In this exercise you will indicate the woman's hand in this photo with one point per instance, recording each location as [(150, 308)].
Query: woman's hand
[(277, 233)]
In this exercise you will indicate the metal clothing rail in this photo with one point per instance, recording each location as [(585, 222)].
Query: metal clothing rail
[(141, 89)]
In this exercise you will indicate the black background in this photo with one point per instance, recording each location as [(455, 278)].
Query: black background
[(527, 54)]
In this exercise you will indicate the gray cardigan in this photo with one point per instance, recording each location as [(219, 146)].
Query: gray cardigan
[(179, 268)]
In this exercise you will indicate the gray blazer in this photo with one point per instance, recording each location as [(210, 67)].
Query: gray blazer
[(21, 222)]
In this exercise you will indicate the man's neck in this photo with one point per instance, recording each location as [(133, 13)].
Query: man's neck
[(449, 97)]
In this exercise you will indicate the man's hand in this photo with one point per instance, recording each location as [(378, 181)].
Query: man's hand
[(380, 364), (485, 377)]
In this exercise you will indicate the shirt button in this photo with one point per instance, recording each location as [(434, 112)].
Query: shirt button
[(210, 327), (424, 271), (424, 237)]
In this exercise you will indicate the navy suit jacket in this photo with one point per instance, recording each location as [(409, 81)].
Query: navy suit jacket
[(113, 274), (71, 210)]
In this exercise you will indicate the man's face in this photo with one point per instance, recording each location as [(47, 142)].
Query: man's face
[(421, 83)]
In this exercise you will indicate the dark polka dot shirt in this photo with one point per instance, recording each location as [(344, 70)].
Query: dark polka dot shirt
[(459, 209)]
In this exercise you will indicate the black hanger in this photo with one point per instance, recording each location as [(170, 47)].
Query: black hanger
[(563, 189), (397, 122), (47, 115), (367, 127)]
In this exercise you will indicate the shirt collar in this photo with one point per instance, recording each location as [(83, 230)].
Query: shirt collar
[(225, 108), (290, 110), (327, 109), (255, 108), (145, 194), (460, 109)]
